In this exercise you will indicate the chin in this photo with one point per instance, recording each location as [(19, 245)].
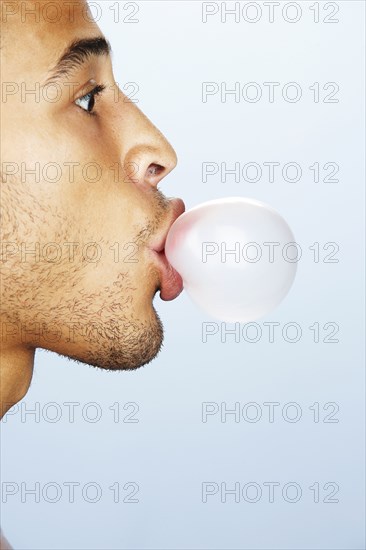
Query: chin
[(116, 344)]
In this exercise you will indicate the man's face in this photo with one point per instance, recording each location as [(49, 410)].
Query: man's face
[(81, 213)]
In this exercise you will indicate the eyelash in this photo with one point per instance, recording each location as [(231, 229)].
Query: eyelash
[(92, 95)]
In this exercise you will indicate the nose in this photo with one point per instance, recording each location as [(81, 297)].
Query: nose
[(147, 156)]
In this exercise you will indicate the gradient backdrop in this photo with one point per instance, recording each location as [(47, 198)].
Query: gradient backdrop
[(155, 458)]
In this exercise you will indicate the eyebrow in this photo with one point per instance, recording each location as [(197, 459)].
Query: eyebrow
[(76, 55)]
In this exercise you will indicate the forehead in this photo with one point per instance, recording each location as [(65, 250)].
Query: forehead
[(36, 33)]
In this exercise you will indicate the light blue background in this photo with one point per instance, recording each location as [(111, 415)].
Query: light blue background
[(170, 451)]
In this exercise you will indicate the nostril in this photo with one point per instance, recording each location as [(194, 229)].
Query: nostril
[(154, 170)]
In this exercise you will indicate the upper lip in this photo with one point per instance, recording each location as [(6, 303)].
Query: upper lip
[(177, 209)]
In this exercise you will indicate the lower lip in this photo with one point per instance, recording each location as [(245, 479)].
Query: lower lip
[(171, 281)]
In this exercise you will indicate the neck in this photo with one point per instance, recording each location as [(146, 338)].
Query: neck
[(16, 369)]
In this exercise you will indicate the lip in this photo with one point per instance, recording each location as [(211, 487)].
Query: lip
[(171, 283)]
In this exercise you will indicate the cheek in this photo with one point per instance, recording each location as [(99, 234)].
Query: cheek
[(105, 260)]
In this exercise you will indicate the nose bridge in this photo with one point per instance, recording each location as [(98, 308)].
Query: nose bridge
[(146, 153)]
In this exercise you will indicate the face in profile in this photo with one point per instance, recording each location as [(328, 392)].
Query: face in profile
[(83, 222)]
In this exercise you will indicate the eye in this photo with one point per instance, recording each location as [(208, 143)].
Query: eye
[(87, 101)]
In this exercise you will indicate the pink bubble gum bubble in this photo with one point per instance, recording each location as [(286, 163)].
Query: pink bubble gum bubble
[(237, 257)]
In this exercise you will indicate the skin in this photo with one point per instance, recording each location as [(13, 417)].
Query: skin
[(96, 312)]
